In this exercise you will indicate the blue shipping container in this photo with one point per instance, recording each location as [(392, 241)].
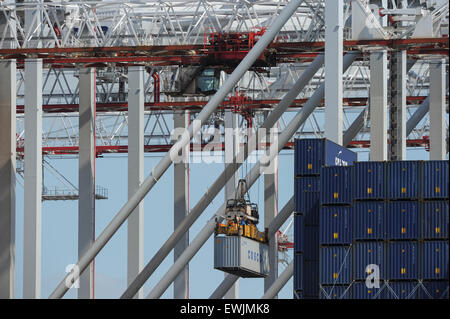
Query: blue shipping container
[(311, 278), (435, 220), (403, 220), (368, 220), (310, 207), (369, 180), (311, 242), (336, 185), (365, 255), (361, 291), (434, 290), (403, 290), (311, 154), (302, 185), (335, 225), (298, 233), (402, 260), (335, 265), (403, 179), (335, 292), (435, 260), (298, 272), (435, 179)]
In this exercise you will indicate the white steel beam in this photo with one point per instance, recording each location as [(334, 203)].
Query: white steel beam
[(7, 176), (438, 131), (86, 179), (181, 206), (378, 106), (32, 258), (334, 17), (135, 225), (280, 282)]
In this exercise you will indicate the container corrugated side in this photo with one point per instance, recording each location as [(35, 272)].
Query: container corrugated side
[(311, 278), (336, 185), (402, 260), (435, 220), (335, 265), (310, 206), (435, 179), (298, 271), (403, 290), (403, 179), (335, 225), (435, 260), (365, 254), (298, 233), (369, 181), (336, 292), (368, 220), (302, 185), (311, 242), (403, 220), (361, 291), (435, 290), (311, 154)]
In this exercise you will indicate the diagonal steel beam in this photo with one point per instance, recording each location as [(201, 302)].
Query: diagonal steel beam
[(280, 282)]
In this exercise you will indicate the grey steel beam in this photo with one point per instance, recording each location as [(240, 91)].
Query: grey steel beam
[(7, 176), (165, 162), (280, 282), (251, 178), (32, 252), (221, 180), (135, 224), (86, 179), (355, 127), (224, 287), (438, 131)]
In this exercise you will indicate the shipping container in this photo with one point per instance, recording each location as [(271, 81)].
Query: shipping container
[(434, 290), (369, 180), (241, 256), (311, 154), (335, 265), (310, 206), (403, 290), (311, 242), (336, 185), (403, 220), (368, 259), (336, 292), (368, 220), (360, 290), (402, 260), (403, 179), (304, 185), (435, 180), (435, 217), (298, 271), (311, 278), (298, 233), (435, 260), (335, 225)]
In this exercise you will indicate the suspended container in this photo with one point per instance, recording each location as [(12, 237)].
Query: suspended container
[(336, 185), (336, 292), (368, 220), (402, 260), (310, 207), (435, 220), (435, 180), (403, 220), (241, 256), (369, 181), (311, 278), (335, 225), (361, 291), (298, 271), (311, 154), (435, 290), (403, 180), (368, 260), (403, 290), (298, 233), (311, 243), (335, 265), (435, 260), (302, 185)]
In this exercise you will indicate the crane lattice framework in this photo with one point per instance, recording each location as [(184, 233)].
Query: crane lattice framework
[(163, 46)]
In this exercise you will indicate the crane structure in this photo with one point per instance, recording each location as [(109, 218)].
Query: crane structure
[(88, 79)]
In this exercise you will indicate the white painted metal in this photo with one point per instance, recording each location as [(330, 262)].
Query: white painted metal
[(135, 225), (32, 258), (438, 131), (7, 176), (280, 282)]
